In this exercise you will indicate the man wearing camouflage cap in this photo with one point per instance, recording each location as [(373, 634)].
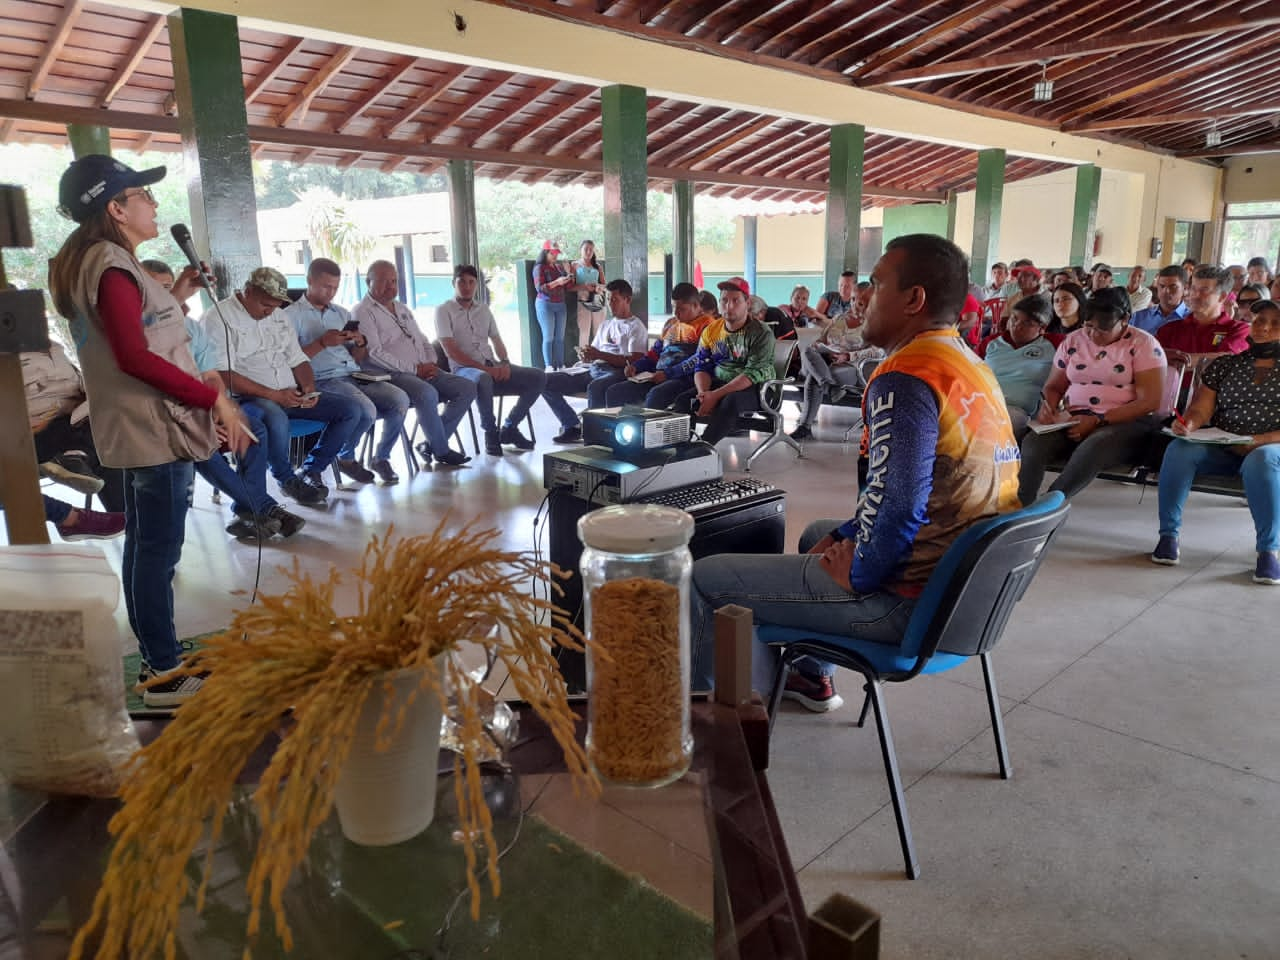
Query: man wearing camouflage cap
[(272, 376)]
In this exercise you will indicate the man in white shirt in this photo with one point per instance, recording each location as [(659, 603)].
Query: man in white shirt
[(621, 340), (336, 348), (397, 346), (274, 380), (469, 335)]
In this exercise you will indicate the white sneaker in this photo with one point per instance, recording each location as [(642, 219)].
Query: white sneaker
[(173, 692)]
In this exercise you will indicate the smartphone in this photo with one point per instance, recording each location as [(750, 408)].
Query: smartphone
[(313, 395), (352, 326)]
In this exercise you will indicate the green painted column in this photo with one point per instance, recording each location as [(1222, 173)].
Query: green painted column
[(209, 89), (531, 333), (1084, 219), (625, 163), (87, 138), (463, 234), (750, 233), (844, 202), (951, 216), (682, 245), (988, 199)]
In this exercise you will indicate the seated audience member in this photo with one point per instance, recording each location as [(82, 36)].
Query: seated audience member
[(1249, 294), (840, 300), (620, 341), (938, 468), (1101, 277), (1068, 307), (336, 350), (1136, 287), (1060, 277), (1209, 328), (1022, 359), (677, 342), (469, 335), (1027, 281), (257, 514), (779, 323), (710, 305), (999, 277), (1168, 307), (1238, 278), (833, 365), (798, 310), (1257, 271), (397, 346), (675, 382), (1239, 393), (77, 523), (58, 412), (1188, 270), (1275, 289), (1109, 376), (728, 373), (970, 322), (267, 369)]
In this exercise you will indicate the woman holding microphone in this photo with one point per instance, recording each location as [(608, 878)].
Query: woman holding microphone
[(152, 415)]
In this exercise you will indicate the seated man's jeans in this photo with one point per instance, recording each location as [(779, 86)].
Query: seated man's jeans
[(787, 591), (375, 401), (721, 421), (1260, 468), (525, 383), (338, 414), (667, 393), (595, 381), (246, 483), (56, 511), (155, 510), (457, 393)]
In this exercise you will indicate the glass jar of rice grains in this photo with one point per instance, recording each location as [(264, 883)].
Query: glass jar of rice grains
[(635, 573)]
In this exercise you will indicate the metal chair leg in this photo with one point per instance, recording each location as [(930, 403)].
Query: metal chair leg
[(896, 792), (779, 682), (866, 708), (997, 721)]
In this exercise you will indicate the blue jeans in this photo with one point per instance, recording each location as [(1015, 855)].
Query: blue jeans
[(560, 383), (155, 514), (374, 401), (457, 393), (247, 485), (1183, 460), (601, 384), (668, 392), (340, 416), (787, 591), (551, 318), (525, 383), (55, 511)]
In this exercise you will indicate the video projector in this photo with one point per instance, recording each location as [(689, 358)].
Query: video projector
[(634, 429)]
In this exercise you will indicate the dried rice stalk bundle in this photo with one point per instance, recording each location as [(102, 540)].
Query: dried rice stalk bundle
[(637, 724), (418, 597)]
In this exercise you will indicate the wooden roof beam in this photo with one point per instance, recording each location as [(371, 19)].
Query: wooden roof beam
[(301, 103), (727, 124), (474, 99), (797, 15), (1098, 44), (349, 161), (762, 12), (1162, 119), (375, 93), (272, 69), (519, 105), (648, 12), (6, 128), (137, 52), (61, 30), (913, 43), (745, 133), (695, 14), (544, 119), (412, 110)]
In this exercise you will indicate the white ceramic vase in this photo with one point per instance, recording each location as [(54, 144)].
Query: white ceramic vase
[(389, 796)]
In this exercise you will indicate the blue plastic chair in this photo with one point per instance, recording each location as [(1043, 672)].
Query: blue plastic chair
[(304, 428), (961, 614)]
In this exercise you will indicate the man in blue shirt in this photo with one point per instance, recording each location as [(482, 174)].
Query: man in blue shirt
[(1168, 306), (335, 349)]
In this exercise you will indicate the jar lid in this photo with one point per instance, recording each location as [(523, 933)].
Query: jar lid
[(636, 528)]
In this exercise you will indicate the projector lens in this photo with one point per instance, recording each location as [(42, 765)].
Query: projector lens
[(626, 433)]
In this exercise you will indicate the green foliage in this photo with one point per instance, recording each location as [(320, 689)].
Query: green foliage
[(280, 184)]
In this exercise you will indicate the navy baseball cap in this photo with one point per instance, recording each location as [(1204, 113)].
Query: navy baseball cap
[(92, 181)]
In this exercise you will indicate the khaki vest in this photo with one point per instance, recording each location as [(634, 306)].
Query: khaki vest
[(134, 424)]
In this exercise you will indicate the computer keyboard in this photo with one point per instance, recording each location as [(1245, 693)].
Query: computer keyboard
[(710, 493)]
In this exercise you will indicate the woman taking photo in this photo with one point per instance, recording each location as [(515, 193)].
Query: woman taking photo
[(550, 279), (589, 284), (1109, 376), (1239, 393), (1068, 307), (152, 415)]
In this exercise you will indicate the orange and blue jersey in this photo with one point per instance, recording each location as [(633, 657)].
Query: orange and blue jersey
[(941, 456)]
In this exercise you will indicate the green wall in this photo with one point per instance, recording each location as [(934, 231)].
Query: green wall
[(914, 218)]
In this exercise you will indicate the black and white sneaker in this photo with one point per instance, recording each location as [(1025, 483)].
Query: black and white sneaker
[(290, 523), (303, 492), (173, 692), (71, 469)]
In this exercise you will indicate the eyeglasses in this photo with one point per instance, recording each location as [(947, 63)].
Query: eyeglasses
[(140, 192)]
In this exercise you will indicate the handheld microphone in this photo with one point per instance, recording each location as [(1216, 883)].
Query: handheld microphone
[(182, 237)]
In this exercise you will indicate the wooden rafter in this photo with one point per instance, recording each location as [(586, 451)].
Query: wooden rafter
[(6, 128), (734, 124), (761, 11), (682, 143), (301, 102), (536, 124), (746, 133), (376, 92), (61, 30), (474, 99), (389, 165), (349, 161), (798, 16), (137, 53), (1165, 119), (442, 87), (302, 156), (272, 69), (646, 13), (143, 142), (1100, 43), (825, 46), (511, 113), (910, 45), (695, 13)]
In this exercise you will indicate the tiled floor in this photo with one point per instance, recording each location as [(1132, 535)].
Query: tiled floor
[(1142, 713)]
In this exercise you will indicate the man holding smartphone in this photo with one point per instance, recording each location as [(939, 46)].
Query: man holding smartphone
[(267, 369)]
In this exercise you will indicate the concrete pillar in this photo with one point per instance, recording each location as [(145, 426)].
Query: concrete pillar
[(682, 245), (626, 181), (209, 89), (749, 234), (1084, 217), (844, 202), (463, 234), (986, 214), (406, 268)]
